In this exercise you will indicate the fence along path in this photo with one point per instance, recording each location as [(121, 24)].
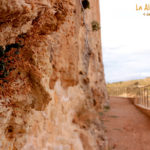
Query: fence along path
[(141, 94)]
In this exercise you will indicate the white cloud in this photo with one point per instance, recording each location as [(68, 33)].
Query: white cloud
[(125, 40)]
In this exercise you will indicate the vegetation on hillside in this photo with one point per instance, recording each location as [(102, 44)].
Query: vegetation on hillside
[(132, 87), (131, 83)]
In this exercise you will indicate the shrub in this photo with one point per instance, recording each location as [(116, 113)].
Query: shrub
[(95, 26)]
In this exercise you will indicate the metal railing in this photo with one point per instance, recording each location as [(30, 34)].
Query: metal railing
[(141, 94)]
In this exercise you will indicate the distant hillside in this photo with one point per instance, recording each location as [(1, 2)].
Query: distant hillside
[(131, 83), (127, 87)]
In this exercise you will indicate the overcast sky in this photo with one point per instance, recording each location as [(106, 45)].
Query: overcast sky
[(125, 40)]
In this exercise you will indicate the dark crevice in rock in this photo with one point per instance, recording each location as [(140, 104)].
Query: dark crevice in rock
[(85, 4)]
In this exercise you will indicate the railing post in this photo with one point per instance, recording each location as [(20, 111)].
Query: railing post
[(141, 98), (148, 97), (144, 98), (139, 95)]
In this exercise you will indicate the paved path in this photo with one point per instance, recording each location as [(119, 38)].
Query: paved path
[(126, 127)]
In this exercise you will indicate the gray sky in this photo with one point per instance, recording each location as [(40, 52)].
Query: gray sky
[(125, 40)]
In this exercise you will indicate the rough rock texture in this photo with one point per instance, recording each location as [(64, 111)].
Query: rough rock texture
[(51, 75)]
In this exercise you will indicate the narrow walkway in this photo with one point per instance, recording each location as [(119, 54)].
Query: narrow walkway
[(126, 127)]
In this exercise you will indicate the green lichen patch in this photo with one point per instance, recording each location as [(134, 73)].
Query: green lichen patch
[(8, 59), (107, 107), (1, 51), (95, 26)]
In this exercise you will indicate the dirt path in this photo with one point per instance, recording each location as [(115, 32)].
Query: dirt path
[(126, 127)]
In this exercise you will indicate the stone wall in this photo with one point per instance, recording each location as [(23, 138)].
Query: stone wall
[(51, 75)]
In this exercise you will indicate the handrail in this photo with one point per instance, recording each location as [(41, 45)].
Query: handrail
[(144, 86)]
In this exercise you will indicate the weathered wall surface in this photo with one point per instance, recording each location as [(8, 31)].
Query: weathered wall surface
[(51, 76)]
